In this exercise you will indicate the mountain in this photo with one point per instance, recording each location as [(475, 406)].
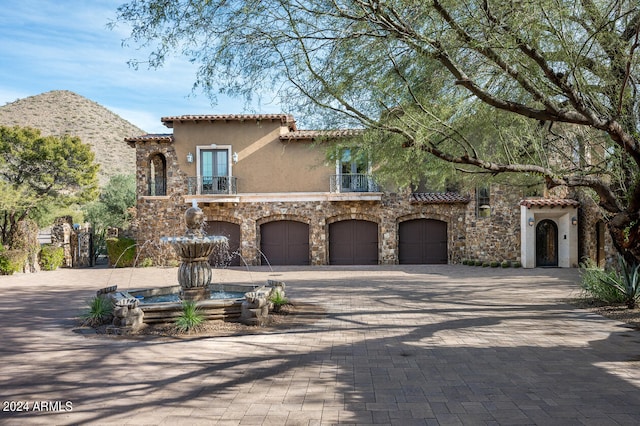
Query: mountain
[(61, 112)]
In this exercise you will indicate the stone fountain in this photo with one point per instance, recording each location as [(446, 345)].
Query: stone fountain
[(194, 249)]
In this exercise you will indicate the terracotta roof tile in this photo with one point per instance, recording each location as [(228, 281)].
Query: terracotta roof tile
[(549, 202), (163, 137), (312, 134), (284, 118), (438, 198)]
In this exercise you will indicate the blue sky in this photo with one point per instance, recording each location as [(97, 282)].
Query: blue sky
[(66, 45)]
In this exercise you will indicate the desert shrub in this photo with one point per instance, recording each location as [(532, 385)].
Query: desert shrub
[(190, 318), (12, 260), (98, 312), (121, 252), (594, 283), (51, 257), (146, 262)]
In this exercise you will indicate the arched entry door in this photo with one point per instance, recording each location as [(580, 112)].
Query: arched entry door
[(547, 243)]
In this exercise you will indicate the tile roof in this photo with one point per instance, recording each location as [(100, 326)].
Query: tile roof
[(163, 137), (438, 198), (284, 118), (313, 134), (549, 202)]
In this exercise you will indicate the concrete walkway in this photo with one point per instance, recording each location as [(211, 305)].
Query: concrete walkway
[(441, 345)]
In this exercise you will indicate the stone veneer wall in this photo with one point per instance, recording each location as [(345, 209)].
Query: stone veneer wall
[(589, 215), (496, 237), (163, 216)]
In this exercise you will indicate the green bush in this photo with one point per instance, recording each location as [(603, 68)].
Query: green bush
[(505, 264), (485, 264), (51, 257), (594, 283), (121, 252), (516, 264), (478, 263), (12, 261), (494, 264), (146, 262)]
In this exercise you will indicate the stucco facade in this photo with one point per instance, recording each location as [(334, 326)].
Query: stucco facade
[(251, 171)]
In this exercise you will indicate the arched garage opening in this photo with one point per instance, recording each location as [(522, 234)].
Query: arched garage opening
[(353, 242), (229, 230), (285, 242), (422, 241)]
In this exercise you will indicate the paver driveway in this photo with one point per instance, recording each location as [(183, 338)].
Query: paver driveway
[(399, 345)]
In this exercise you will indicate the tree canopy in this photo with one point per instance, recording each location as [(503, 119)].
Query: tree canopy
[(41, 172), (546, 88)]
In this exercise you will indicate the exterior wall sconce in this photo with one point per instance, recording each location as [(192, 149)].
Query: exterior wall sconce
[(189, 158), (531, 221), (234, 157), (574, 221)]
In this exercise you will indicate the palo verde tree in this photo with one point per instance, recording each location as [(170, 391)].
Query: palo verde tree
[(41, 172), (543, 88)]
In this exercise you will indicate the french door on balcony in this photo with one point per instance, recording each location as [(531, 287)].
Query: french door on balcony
[(353, 171), (214, 171)]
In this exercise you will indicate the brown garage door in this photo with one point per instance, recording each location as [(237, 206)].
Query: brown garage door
[(231, 231), (423, 241), (285, 242), (353, 242)]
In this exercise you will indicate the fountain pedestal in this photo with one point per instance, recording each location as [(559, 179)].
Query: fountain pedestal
[(194, 249)]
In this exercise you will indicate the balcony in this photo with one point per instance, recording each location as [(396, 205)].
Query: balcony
[(352, 183), (211, 185)]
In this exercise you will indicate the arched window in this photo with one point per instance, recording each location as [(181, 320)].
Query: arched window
[(158, 175)]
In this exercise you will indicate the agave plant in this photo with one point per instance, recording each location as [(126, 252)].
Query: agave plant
[(627, 283), (98, 312), (190, 318)]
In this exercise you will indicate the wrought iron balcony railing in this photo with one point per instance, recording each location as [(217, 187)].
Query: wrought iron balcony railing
[(353, 183), (158, 187), (208, 185)]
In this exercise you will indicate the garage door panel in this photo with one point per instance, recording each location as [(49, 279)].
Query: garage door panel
[(285, 242), (423, 241), (232, 232), (353, 242)]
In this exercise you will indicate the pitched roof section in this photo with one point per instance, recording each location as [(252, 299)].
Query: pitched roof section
[(438, 198), (283, 118), (549, 202), (314, 134), (163, 137)]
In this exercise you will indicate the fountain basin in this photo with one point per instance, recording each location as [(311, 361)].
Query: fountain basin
[(228, 309)]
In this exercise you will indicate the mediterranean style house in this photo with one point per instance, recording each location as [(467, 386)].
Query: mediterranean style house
[(267, 186)]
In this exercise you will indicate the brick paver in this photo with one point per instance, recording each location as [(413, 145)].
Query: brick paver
[(424, 345)]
